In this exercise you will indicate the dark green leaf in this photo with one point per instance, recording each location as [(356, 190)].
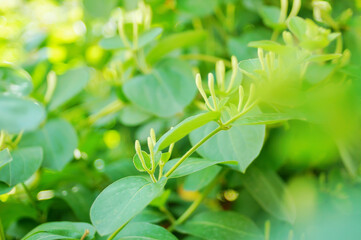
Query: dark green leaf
[(221, 226), (268, 189), (79, 198)]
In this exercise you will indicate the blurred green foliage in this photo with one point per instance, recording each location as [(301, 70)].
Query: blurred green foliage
[(81, 80)]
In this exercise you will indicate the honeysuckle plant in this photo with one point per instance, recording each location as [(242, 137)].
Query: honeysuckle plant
[(219, 120)]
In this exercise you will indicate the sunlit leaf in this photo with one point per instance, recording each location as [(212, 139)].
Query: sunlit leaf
[(121, 201)]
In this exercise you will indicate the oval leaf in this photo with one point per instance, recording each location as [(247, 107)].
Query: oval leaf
[(164, 92), (121, 201), (24, 164), (61, 230), (184, 128), (198, 180), (268, 189), (240, 143), (5, 157), (68, 85), (221, 226), (58, 140), (143, 230), (19, 114), (15, 81), (172, 42)]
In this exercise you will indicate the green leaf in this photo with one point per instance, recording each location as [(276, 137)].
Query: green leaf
[(61, 230), (297, 26), (14, 81), (192, 165), (184, 128), (164, 92), (197, 8), (68, 85), (199, 180), (161, 200), (133, 116), (149, 215), (266, 118), (323, 57), (58, 140), (5, 157), (148, 36), (121, 201), (11, 212), (79, 198), (249, 66), (138, 164), (142, 230), (221, 226), (99, 9), (269, 45), (240, 143), (174, 41), (4, 188), (24, 164), (238, 46), (270, 16), (144, 39), (19, 114), (268, 189), (112, 43)]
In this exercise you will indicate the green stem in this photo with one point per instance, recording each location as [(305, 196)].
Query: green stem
[(2, 234), (33, 201), (114, 234), (109, 109), (152, 177), (2, 138), (224, 126), (168, 214), (244, 111), (275, 34), (18, 138), (192, 150), (197, 202)]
